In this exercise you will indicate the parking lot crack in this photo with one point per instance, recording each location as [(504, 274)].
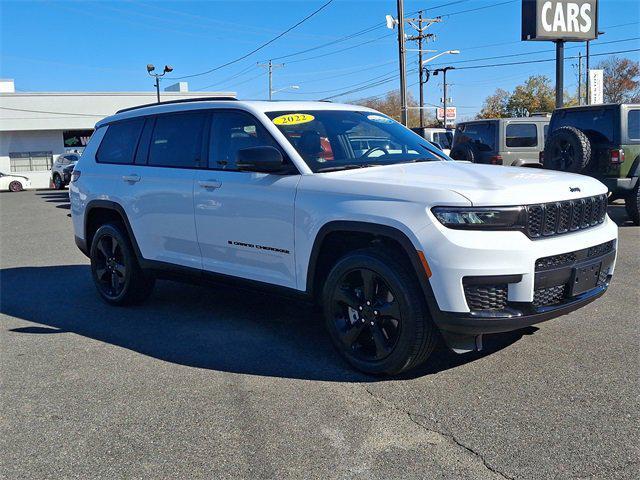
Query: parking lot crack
[(413, 417)]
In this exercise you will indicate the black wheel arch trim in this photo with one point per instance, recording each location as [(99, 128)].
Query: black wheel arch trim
[(377, 230), (116, 207)]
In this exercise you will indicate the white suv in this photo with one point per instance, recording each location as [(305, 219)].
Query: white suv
[(400, 245)]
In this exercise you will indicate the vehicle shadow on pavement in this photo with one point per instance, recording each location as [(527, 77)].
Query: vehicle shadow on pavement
[(219, 328)]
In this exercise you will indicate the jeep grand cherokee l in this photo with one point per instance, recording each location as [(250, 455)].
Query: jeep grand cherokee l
[(400, 245)]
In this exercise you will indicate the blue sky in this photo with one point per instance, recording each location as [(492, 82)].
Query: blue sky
[(105, 45)]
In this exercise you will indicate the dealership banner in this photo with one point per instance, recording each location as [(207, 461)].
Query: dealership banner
[(596, 87)]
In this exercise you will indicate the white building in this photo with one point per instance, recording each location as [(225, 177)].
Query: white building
[(37, 127)]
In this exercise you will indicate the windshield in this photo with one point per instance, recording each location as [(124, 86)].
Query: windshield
[(335, 140)]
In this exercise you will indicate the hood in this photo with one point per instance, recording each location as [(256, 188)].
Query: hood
[(483, 184)]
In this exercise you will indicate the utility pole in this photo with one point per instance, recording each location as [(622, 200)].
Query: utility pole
[(559, 73), (579, 78), (403, 70), (444, 92), (420, 37), (270, 66)]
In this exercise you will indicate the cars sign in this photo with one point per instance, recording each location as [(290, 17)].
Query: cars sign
[(568, 20)]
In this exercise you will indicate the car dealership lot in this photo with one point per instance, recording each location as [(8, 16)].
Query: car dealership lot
[(213, 382)]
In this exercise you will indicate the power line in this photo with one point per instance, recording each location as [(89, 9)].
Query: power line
[(478, 8), (57, 113), (315, 12), (544, 60), (386, 35), (532, 53)]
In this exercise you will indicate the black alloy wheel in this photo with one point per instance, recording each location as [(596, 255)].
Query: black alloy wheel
[(366, 314), (564, 154), (110, 268), (115, 269), (376, 313)]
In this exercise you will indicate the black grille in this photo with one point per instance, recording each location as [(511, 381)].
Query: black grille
[(569, 258), (486, 297), (548, 219), (549, 296)]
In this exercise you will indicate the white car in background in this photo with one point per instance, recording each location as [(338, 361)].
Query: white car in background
[(14, 183)]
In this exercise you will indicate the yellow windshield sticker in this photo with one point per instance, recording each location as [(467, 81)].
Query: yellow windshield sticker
[(293, 119)]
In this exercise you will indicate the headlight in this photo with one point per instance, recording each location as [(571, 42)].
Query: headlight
[(481, 218)]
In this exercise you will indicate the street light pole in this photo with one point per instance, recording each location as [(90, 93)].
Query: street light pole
[(157, 76), (444, 92), (403, 71)]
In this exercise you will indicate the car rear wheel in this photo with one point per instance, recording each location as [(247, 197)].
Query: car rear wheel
[(15, 186), (632, 204), (57, 182), (568, 150), (115, 269), (376, 313)]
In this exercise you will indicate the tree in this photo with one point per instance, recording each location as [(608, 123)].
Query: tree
[(535, 95), (621, 80), (495, 106), (389, 104)]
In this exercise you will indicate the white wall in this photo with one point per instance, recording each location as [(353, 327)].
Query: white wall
[(31, 141)]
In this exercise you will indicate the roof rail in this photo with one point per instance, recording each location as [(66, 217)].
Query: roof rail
[(182, 100)]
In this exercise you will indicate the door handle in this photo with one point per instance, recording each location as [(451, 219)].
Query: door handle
[(210, 184), (133, 178)]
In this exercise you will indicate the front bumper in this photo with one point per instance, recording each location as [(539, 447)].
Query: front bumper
[(456, 256), (477, 323)]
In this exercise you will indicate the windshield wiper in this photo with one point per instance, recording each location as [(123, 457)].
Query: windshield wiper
[(349, 166)]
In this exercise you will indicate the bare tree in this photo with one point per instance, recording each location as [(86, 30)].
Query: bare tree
[(389, 104)]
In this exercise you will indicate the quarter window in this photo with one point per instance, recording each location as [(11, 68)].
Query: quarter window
[(120, 141), (482, 135), (233, 131), (177, 140), (521, 135), (633, 124)]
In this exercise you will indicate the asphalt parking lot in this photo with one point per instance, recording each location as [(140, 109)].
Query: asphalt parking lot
[(216, 383)]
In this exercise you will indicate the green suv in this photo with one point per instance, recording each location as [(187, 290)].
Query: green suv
[(602, 141)]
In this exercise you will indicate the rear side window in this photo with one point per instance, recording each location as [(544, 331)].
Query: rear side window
[(633, 124), (120, 141), (521, 135), (177, 140), (597, 123), (482, 135)]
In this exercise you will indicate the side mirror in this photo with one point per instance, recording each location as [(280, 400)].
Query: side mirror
[(259, 159)]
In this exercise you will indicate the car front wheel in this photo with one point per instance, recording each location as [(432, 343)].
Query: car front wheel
[(115, 269), (57, 182), (376, 313)]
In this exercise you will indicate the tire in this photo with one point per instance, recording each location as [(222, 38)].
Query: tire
[(372, 341), (115, 269), (567, 149), (465, 151), (632, 204), (15, 186), (58, 184)]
